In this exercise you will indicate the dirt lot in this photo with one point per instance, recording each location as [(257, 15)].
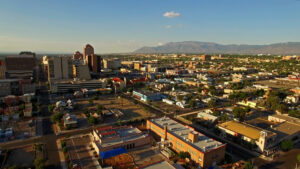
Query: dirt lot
[(279, 84), (22, 157), (131, 111), (286, 160), (20, 127)]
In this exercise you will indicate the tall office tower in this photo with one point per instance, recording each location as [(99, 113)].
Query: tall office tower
[(77, 55), (59, 67), (87, 51), (94, 62)]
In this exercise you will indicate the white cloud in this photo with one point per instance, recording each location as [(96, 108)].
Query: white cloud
[(171, 14), (168, 26)]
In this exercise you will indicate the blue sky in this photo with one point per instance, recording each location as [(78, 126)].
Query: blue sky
[(124, 25)]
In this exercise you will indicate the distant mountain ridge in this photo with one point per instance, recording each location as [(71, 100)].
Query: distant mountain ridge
[(215, 48)]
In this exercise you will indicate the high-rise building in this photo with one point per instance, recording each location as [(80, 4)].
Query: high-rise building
[(77, 55), (22, 66), (58, 67), (88, 50), (94, 63)]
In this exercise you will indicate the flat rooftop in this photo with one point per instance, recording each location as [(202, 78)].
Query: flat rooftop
[(287, 118), (112, 136), (244, 129), (181, 131), (281, 129)]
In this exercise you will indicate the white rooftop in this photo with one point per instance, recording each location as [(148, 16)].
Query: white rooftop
[(180, 131)]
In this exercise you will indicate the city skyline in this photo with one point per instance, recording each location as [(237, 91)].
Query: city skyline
[(116, 27)]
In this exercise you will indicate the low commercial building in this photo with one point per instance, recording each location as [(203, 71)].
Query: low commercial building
[(247, 103), (207, 117), (203, 150), (264, 139), (114, 63), (81, 71), (128, 137), (70, 120), (71, 85), (148, 96), (286, 127)]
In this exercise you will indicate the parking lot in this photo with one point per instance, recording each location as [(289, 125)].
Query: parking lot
[(80, 152)]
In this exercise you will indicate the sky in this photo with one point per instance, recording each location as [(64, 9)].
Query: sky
[(114, 26)]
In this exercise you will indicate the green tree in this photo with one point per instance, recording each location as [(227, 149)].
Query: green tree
[(120, 123), (286, 145), (298, 158), (91, 101), (211, 104), (55, 118), (179, 97), (248, 165), (39, 163), (92, 120), (38, 147), (192, 103), (51, 108), (64, 149), (294, 113), (14, 167), (239, 112), (183, 154)]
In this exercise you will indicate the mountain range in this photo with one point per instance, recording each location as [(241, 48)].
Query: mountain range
[(194, 47)]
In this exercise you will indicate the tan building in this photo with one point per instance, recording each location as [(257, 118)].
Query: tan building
[(58, 67), (114, 64), (81, 72), (264, 139), (205, 57), (137, 66), (203, 150)]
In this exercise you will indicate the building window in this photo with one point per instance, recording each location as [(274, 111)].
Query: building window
[(200, 159)]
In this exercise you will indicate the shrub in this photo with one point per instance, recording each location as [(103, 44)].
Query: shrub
[(286, 145)]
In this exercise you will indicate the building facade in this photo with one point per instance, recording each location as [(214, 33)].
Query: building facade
[(203, 150), (81, 72), (59, 68), (128, 137), (114, 64)]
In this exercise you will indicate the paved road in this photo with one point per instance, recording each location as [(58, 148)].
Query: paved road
[(49, 138), (230, 147)]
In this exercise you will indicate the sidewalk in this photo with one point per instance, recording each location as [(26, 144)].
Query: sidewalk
[(61, 155)]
